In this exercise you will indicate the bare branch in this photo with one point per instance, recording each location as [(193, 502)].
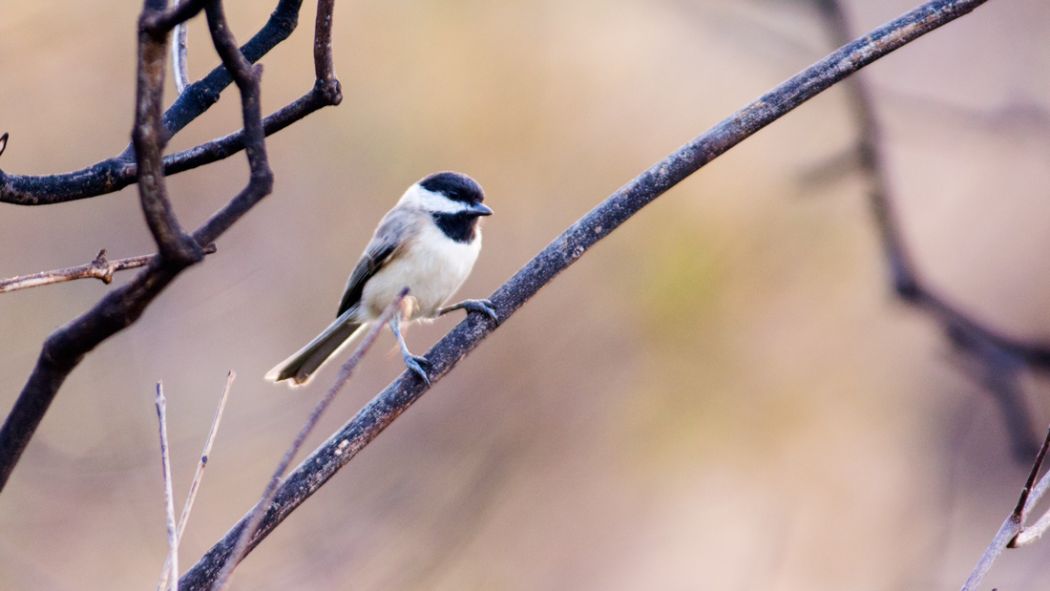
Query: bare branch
[(165, 467), (566, 249), (3, 143), (100, 268), (324, 70), (255, 516), (66, 347), (198, 476), (113, 174)]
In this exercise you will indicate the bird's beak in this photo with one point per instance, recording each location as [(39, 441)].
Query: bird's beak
[(480, 209)]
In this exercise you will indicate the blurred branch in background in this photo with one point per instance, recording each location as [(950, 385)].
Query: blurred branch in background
[(999, 359), (566, 249), (66, 347), (100, 268), (1013, 533)]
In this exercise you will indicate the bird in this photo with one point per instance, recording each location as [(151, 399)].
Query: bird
[(428, 243)]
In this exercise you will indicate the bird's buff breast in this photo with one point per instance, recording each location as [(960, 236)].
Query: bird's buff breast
[(432, 268)]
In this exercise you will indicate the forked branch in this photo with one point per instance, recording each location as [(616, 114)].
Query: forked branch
[(66, 347)]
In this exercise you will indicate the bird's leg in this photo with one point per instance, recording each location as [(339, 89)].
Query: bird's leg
[(417, 364), (478, 306)]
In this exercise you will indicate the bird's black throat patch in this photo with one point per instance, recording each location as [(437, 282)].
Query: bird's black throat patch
[(460, 226)]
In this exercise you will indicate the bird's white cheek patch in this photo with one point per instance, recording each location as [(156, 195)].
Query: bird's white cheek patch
[(430, 201)]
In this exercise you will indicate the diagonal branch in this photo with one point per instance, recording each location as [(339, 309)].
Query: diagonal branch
[(389, 404)]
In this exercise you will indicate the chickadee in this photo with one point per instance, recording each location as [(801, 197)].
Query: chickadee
[(428, 243)]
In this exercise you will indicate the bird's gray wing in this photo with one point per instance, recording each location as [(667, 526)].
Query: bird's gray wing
[(387, 242)]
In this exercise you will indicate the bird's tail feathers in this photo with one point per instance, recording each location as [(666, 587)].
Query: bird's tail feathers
[(301, 366)]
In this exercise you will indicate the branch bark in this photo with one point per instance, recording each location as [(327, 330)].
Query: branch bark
[(566, 249)]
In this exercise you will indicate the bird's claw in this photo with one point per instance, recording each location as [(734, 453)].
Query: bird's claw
[(481, 307), (418, 365)]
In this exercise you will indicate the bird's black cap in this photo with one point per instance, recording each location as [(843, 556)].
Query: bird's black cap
[(455, 186)]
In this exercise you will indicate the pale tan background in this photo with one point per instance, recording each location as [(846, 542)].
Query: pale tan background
[(722, 395)]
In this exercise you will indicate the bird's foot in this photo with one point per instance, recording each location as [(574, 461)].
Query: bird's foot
[(482, 306), (419, 366)]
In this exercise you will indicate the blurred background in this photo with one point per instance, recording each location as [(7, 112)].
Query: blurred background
[(723, 394)]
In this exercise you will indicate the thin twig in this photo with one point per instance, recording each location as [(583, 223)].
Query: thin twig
[(179, 61), (252, 520), (3, 143), (179, 64), (1014, 523), (1026, 499), (566, 249), (169, 504), (198, 475), (100, 268), (1035, 531)]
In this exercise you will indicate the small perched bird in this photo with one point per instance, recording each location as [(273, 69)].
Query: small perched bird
[(428, 243)]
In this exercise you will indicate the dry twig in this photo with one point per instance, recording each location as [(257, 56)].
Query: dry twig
[(198, 476), (165, 468), (100, 268), (566, 249)]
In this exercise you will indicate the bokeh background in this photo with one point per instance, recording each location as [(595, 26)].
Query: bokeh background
[(723, 394)]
